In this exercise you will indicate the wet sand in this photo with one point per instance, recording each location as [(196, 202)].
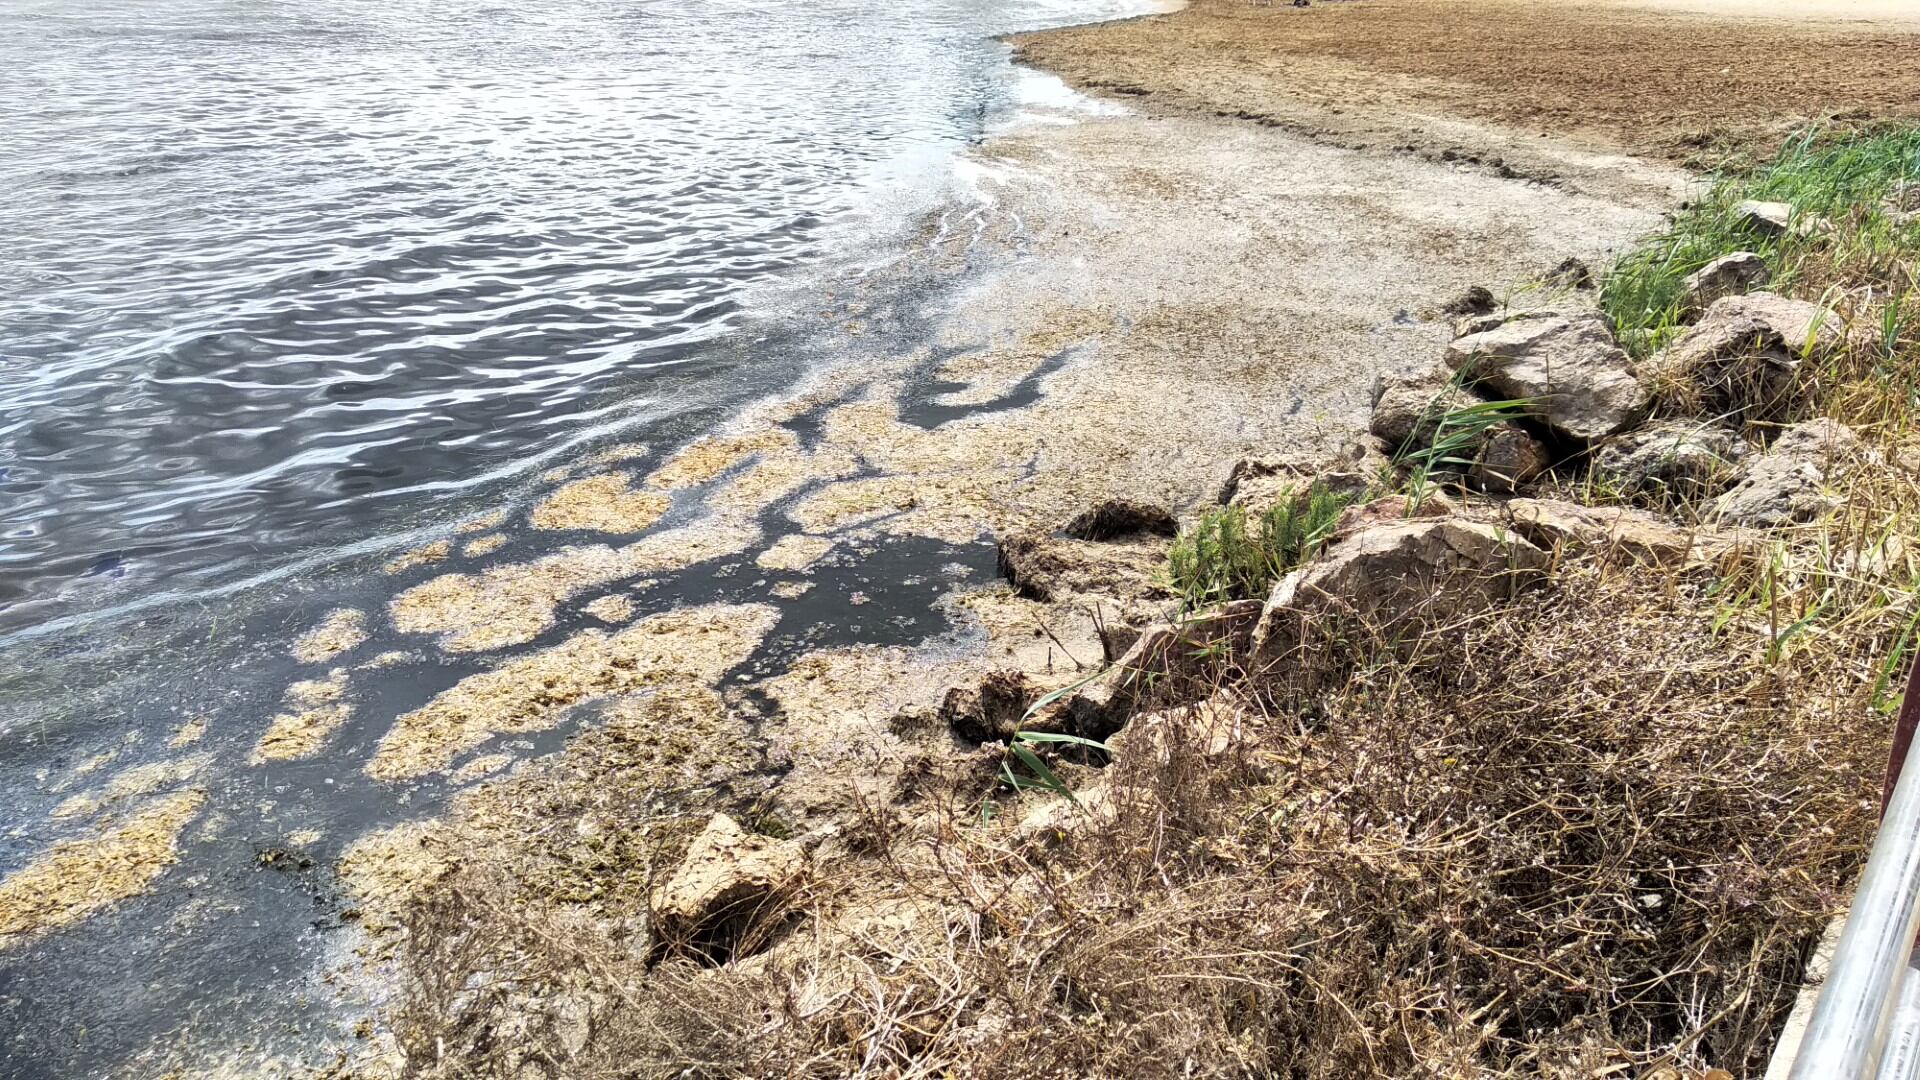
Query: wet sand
[(1485, 79)]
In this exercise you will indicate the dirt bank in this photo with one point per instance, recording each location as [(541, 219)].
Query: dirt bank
[(1686, 80)]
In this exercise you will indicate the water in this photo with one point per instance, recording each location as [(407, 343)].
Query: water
[(286, 285), (282, 275)]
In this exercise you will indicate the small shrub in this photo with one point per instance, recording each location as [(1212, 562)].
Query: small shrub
[(1228, 557)]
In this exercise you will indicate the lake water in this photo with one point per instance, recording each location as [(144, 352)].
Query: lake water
[(282, 275), (286, 285)]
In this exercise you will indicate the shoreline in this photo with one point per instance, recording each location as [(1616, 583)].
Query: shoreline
[(1173, 293)]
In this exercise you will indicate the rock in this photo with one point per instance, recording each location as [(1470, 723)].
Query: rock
[(1678, 460), (1407, 409), (1258, 484), (1390, 508), (1509, 458), (1581, 385), (1765, 218), (1169, 665), (1392, 576), (1115, 518), (1572, 273), (729, 876), (1047, 568), (1477, 300), (1728, 275), (1616, 533), (990, 711), (1788, 483), (1743, 356)]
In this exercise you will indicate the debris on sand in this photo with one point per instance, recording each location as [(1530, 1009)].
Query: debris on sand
[(604, 503), (342, 630), (533, 694), (387, 867), (80, 877)]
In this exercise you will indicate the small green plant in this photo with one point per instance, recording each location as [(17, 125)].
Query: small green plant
[(1034, 773), (1229, 556), (1457, 436)]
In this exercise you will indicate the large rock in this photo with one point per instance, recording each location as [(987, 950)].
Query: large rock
[(1765, 218), (1112, 519), (1407, 409), (1728, 275), (729, 876), (1615, 533), (1170, 665), (1392, 577), (1790, 482), (1677, 460), (1579, 383), (1047, 568), (1743, 356), (1258, 484)]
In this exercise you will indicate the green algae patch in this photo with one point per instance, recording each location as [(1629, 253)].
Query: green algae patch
[(533, 694), (80, 877)]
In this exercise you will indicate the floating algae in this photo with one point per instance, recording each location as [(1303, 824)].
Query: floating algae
[(532, 694), (135, 782), (387, 867), (483, 545), (604, 503), (707, 458), (486, 521), (420, 556), (342, 630), (80, 877), (314, 711), (612, 608), (511, 605), (795, 552)]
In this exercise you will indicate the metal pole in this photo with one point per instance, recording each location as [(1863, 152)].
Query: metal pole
[(1847, 1036)]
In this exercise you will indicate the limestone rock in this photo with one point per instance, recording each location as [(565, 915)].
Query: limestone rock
[(1043, 567), (1408, 408), (1580, 383), (1169, 665), (1789, 482), (727, 878), (1765, 218), (1676, 459), (1509, 458), (1616, 533), (1394, 575), (1743, 357), (1112, 519), (1257, 484), (1728, 275)]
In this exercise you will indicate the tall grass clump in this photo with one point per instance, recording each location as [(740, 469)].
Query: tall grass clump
[(1230, 556), (1855, 182)]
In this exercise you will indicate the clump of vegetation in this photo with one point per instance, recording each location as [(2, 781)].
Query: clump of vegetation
[(1229, 556), (1859, 185)]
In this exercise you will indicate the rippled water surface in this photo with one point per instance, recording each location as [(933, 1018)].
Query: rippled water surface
[(282, 275)]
